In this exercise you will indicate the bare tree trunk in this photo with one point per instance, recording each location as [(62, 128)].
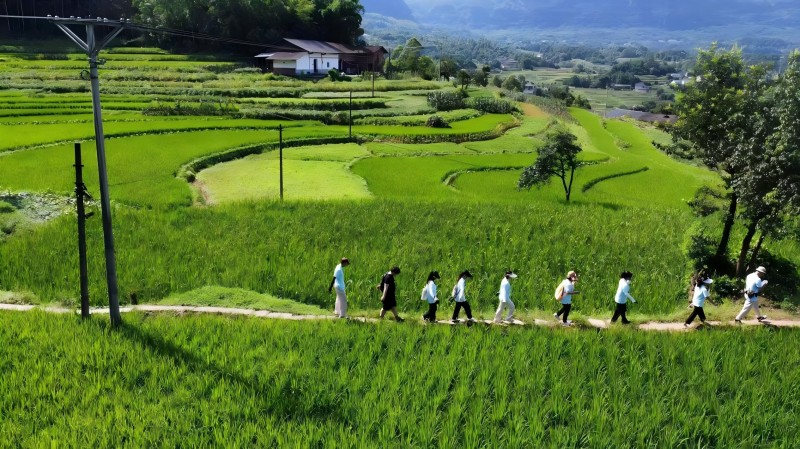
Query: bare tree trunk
[(722, 249), (757, 249), (571, 178), (748, 239)]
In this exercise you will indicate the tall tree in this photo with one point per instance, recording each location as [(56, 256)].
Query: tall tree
[(558, 157), (710, 111)]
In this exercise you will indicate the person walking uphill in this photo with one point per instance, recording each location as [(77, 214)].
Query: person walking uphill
[(505, 298), (622, 296), (460, 296), (388, 293), (752, 287), (564, 294), (429, 294), (699, 299), (340, 308)]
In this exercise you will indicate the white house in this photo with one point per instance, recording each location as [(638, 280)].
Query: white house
[(308, 57), (529, 88), (641, 87)]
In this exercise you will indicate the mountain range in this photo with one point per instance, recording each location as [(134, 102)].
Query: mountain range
[(685, 21)]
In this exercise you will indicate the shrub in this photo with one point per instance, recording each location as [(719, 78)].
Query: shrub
[(6, 208), (492, 105), (446, 101), (435, 121), (728, 287)]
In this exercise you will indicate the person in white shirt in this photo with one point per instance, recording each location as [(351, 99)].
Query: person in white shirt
[(505, 298), (340, 307), (429, 294), (622, 296), (752, 287), (565, 291), (699, 299), (460, 296)]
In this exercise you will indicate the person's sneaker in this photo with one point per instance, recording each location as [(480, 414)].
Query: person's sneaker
[(399, 320), (555, 315), (456, 321), (761, 318), (686, 325), (567, 324), (626, 322), (737, 321)]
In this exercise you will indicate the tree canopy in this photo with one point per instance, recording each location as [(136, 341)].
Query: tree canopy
[(558, 157)]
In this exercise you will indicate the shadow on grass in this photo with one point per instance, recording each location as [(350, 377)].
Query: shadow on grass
[(283, 401)]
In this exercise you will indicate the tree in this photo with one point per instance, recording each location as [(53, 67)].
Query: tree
[(463, 78), (558, 157), (707, 110), (481, 77)]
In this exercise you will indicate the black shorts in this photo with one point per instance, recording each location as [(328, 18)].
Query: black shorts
[(389, 303)]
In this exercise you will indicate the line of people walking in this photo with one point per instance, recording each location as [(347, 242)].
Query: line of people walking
[(564, 294)]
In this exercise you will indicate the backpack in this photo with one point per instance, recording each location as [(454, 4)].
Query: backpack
[(559, 294), (424, 295)]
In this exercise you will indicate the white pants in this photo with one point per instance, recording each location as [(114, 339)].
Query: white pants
[(499, 314), (340, 309), (748, 304)]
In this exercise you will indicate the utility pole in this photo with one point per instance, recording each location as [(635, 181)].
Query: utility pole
[(280, 157), (92, 47), (350, 116), (80, 193)]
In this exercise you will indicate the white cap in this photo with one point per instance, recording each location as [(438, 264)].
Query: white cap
[(708, 281), (761, 270), (511, 274)]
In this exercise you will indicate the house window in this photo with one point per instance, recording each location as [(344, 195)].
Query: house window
[(329, 64)]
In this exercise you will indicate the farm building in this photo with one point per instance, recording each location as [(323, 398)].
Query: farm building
[(509, 64), (641, 87), (308, 57)]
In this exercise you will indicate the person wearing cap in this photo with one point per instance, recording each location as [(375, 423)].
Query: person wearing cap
[(340, 307), (429, 294), (505, 298), (388, 293), (564, 294), (753, 284), (622, 296), (460, 296), (698, 299)]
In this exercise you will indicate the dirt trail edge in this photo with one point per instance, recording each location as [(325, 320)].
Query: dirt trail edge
[(591, 322)]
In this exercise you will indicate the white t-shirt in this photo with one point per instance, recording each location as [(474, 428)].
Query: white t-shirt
[(430, 292), (460, 294), (505, 290), (700, 295), (569, 288), (338, 276), (622, 296), (754, 283)]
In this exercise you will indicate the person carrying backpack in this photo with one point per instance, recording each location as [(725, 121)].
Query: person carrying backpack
[(429, 295), (459, 295), (564, 294)]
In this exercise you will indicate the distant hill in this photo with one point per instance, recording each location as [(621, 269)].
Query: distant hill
[(397, 9), (669, 15), (677, 23)]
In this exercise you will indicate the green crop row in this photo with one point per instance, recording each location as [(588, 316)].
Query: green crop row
[(212, 381)]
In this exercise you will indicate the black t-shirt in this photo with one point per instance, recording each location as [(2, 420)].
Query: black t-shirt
[(388, 280)]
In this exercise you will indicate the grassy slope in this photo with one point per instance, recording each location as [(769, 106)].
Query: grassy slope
[(239, 298), (212, 381)]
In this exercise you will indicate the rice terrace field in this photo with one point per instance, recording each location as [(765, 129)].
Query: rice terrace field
[(192, 146)]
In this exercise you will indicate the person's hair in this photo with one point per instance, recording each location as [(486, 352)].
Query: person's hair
[(464, 274), (433, 275), (395, 270), (626, 275), (509, 273), (698, 279), (344, 260)]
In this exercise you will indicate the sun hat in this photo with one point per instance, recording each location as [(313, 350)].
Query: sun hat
[(511, 274), (761, 270), (572, 274)]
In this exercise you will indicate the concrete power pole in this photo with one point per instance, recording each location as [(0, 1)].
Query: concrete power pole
[(92, 46)]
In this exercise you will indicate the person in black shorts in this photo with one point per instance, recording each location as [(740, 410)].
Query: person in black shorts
[(388, 296)]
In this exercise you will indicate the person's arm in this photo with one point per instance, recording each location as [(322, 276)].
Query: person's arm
[(385, 291), (628, 295), (330, 287)]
